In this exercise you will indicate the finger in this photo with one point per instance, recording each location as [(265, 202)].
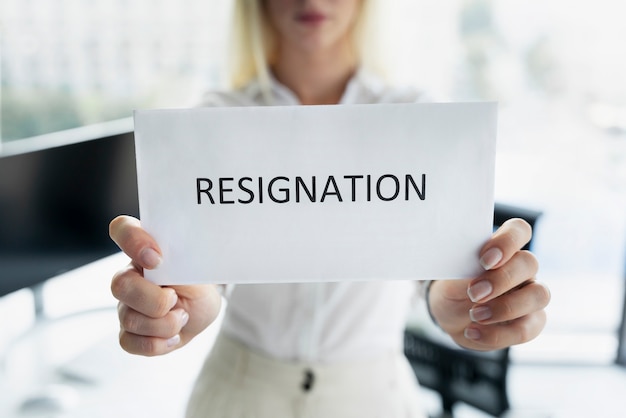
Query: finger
[(129, 287), (494, 337), (505, 242), (449, 303), (521, 267), (139, 324), (128, 234), (532, 297), (148, 346)]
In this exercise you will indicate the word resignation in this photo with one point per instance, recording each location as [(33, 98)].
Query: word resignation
[(282, 189)]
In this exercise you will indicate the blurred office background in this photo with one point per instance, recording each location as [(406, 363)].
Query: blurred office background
[(556, 68)]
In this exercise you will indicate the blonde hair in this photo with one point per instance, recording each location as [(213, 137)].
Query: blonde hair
[(253, 42)]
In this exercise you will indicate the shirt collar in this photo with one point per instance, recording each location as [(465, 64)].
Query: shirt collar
[(283, 96)]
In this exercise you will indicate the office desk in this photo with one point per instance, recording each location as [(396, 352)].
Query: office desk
[(77, 360)]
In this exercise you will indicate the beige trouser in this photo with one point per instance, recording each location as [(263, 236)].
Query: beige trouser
[(237, 383)]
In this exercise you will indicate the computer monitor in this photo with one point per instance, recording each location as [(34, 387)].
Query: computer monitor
[(58, 193)]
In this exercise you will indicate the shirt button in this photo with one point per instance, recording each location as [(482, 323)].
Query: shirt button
[(309, 379)]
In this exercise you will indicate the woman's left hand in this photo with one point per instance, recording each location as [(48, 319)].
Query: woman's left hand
[(505, 305)]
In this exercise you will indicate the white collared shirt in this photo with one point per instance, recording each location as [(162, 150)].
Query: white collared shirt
[(319, 322)]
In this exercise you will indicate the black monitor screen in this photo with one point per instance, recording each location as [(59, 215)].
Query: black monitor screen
[(56, 202)]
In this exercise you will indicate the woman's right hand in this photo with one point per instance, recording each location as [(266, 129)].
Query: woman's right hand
[(155, 320)]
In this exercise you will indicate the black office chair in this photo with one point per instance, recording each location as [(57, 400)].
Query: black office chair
[(476, 378)]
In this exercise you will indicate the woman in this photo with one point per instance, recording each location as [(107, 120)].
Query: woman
[(318, 349)]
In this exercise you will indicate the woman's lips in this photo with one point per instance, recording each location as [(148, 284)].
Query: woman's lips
[(310, 17)]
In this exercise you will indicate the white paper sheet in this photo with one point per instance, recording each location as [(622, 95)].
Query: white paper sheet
[(317, 193)]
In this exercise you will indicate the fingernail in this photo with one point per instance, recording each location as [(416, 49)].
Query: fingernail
[(480, 313), (491, 258), (149, 258), (184, 318), (472, 334), (173, 298), (173, 341), (479, 290)]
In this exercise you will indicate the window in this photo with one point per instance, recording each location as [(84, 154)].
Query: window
[(556, 68), (76, 62), (562, 150), (557, 75)]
